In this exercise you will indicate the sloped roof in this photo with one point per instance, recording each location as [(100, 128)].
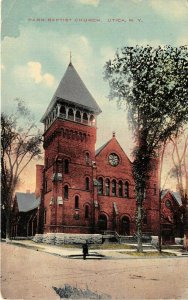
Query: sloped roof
[(164, 192), (72, 89), (104, 146), (176, 195), (27, 201), (101, 148)]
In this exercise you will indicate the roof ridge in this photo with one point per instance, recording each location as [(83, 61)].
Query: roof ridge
[(101, 148), (104, 145)]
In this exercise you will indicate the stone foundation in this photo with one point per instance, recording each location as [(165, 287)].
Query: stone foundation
[(67, 238)]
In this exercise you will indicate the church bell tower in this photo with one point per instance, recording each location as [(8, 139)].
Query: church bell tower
[(69, 144)]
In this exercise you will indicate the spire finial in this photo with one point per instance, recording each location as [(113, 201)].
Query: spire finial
[(70, 57), (113, 134)]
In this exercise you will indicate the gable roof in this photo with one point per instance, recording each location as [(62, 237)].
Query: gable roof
[(99, 150), (175, 195), (27, 201), (72, 89)]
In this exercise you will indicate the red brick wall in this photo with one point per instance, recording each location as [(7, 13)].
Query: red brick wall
[(123, 172), (39, 180), (70, 140)]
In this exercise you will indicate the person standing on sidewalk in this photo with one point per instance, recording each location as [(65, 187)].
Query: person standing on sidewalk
[(85, 250)]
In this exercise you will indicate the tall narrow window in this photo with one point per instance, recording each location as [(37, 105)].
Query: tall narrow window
[(155, 189), (71, 114), (62, 112), (107, 184), (46, 162), (113, 187), (86, 211), (85, 118), (120, 187), (78, 116), (76, 202), (126, 189), (66, 192), (87, 158), (100, 186), (87, 183), (145, 220), (66, 166)]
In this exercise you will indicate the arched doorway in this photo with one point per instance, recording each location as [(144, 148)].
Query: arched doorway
[(102, 222), (125, 226)]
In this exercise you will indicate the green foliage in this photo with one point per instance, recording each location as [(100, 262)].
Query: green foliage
[(20, 143), (152, 84)]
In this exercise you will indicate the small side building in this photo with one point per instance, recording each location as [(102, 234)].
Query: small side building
[(171, 216), (26, 207)]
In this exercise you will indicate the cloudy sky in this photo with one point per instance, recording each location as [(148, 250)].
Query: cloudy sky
[(38, 35)]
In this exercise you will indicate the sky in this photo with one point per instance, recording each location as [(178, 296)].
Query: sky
[(38, 35)]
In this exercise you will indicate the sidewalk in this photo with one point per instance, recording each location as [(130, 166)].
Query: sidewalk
[(31, 274), (93, 253)]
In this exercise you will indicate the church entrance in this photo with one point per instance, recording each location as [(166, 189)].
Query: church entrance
[(125, 226), (102, 222)]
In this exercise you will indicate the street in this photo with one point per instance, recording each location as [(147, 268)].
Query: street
[(30, 274)]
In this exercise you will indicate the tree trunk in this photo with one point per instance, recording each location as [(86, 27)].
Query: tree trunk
[(160, 225), (185, 223), (9, 215), (8, 227), (139, 227)]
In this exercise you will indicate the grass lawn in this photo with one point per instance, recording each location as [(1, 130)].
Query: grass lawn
[(101, 246), (148, 253)]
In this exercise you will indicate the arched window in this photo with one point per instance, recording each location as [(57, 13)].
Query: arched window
[(66, 192), (126, 189), (155, 189), (103, 222), (86, 211), (113, 187), (66, 166), (87, 158), (145, 220), (87, 183), (85, 118), (76, 204), (71, 114), (62, 112), (100, 186), (78, 116), (107, 184), (120, 188), (125, 226)]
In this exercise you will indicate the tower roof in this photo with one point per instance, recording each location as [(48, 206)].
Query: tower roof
[(72, 89)]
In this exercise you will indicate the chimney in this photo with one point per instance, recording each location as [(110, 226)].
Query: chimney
[(39, 180)]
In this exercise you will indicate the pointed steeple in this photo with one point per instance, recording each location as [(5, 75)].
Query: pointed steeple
[(72, 90)]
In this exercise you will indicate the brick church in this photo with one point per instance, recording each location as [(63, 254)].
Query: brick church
[(84, 190)]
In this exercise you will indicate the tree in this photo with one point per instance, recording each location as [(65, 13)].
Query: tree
[(179, 171), (20, 143), (152, 84)]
